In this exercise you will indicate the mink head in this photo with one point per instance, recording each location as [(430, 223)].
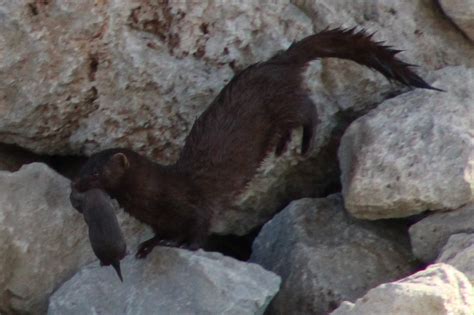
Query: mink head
[(104, 170)]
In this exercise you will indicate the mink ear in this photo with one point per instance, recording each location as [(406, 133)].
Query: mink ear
[(119, 161)]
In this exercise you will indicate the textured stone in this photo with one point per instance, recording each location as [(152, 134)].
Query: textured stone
[(43, 240), (438, 290), (413, 153), (459, 253), (325, 257), (418, 27), (461, 12), (170, 281), (429, 235)]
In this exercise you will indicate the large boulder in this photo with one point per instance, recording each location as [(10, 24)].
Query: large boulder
[(438, 290), (413, 152), (461, 12), (43, 240), (169, 281), (325, 257), (459, 253), (418, 27), (429, 235)]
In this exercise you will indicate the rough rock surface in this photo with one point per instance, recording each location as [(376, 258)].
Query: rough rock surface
[(416, 26), (429, 235), (169, 281), (459, 253), (43, 240), (438, 290), (413, 152), (461, 12), (325, 257)]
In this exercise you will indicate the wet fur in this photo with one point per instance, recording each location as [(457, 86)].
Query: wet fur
[(253, 115)]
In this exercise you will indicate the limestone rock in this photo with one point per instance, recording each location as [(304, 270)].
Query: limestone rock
[(459, 253), (438, 290), (418, 27), (170, 281), (43, 240), (413, 152), (46, 70), (461, 12), (429, 235), (325, 257)]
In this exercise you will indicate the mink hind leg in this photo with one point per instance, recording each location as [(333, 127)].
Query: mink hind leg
[(304, 115), (198, 233), (309, 120)]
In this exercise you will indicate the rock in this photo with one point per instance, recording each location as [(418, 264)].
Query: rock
[(325, 257), (46, 70), (388, 156), (429, 235), (43, 240), (124, 73), (173, 281), (459, 253), (461, 12), (438, 290), (418, 27)]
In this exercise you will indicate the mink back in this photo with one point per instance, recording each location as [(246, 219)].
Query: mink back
[(230, 139)]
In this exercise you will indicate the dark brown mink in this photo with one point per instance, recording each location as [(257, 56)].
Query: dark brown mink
[(105, 235), (252, 115)]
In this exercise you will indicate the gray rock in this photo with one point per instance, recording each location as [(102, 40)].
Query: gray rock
[(418, 27), (413, 152), (461, 12), (325, 257), (438, 290), (459, 253), (43, 240), (429, 235), (169, 281)]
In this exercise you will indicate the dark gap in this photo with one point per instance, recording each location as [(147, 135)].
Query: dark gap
[(13, 157), (33, 8), (238, 247), (204, 28), (93, 64)]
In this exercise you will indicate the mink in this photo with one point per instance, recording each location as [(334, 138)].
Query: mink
[(252, 116), (105, 235)]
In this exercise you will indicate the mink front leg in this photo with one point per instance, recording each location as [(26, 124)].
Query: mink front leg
[(147, 246)]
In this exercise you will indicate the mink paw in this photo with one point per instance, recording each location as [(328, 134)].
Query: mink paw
[(143, 250)]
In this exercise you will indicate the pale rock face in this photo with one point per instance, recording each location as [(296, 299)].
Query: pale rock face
[(459, 253), (429, 235), (438, 290), (43, 240), (461, 12), (169, 281), (325, 257), (413, 153), (418, 27)]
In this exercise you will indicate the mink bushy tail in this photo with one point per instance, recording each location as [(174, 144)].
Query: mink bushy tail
[(357, 46)]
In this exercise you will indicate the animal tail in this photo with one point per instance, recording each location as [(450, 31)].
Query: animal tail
[(357, 46)]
